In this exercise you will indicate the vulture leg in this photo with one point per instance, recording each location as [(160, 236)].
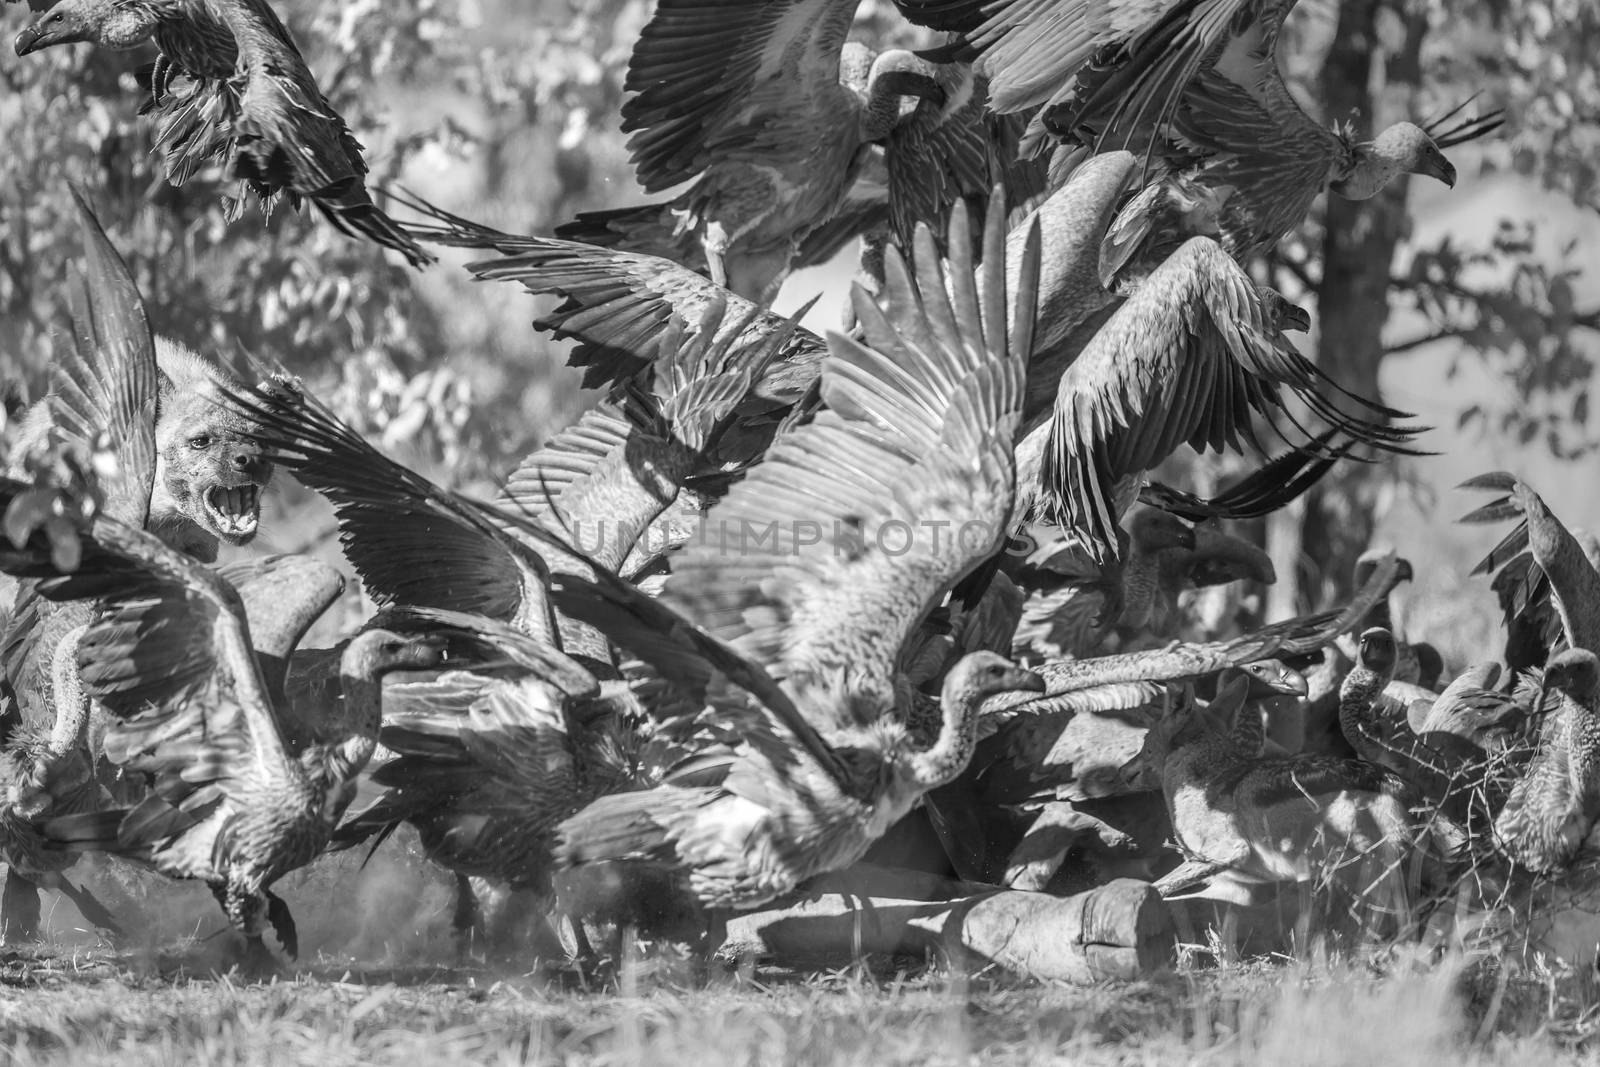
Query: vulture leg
[(581, 950), (19, 907), (715, 936), (255, 960), (466, 921), (715, 243), (246, 912)]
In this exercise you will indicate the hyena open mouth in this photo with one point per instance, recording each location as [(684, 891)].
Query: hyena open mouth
[(235, 510)]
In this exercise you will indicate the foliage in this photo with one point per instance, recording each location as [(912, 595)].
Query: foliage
[(510, 114), (1512, 305), (287, 290), (1508, 302)]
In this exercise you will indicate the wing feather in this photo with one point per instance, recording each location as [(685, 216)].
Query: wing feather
[(1190, 358), (918, 430), (109, 385), (715, 78)]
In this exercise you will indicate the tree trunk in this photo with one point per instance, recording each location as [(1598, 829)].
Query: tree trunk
[(1120, 931), (1371, 76)]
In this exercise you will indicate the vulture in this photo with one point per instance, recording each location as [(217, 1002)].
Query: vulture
[(248, 101)]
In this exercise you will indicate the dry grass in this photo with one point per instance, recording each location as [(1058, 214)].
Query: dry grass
[(90, 1007)]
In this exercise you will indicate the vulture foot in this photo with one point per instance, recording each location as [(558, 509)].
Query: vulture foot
[(255, 960)]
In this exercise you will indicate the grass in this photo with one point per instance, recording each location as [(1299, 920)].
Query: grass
[(377, 986), (92, 1006)]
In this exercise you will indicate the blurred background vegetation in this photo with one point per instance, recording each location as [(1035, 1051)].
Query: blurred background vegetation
[(1478, 308)]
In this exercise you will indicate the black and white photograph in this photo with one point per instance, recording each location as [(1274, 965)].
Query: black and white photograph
[(739, 533)]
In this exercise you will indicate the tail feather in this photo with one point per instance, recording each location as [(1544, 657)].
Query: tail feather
[(354, 214)]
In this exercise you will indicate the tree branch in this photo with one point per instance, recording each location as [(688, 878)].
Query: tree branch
[(1298, 268), (1586, 320), (1426, 339)]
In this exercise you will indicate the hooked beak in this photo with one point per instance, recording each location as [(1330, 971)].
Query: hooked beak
[(1434, 165), (1295, 317), (1295, 684), (911, 83), (29, 40), (1030, 681)]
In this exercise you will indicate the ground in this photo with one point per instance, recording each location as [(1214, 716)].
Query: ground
[(378, 986), (93, 1006)]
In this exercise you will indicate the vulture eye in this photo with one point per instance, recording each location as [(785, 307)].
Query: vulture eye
[(200, 440)]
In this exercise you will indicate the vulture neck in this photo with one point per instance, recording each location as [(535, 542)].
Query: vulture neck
[(895, 74), (1580, 732), (880, 113), (1370, 175), (361, 671), (533, 615), (1140, 577), (947, 757), (1357, 696)]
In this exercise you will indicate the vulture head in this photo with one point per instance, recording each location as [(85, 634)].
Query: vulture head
[(1576, 672), (102, 22), (1377, 650), (1404, 148), (1153, 530)]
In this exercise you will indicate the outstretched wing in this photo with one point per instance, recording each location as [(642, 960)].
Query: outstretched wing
[(607, 478), (621, 306), (169, 654), (289, 137), (1539, 567), (109, 384), (1191, 357), (1037, 52), (821, 562), (720, 79)]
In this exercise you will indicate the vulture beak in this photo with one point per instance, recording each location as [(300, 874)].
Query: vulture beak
[(1434, 165), (29, 40), (1293, 683), (45, 31), (1030, 682), (1295, 317), (912, 83)]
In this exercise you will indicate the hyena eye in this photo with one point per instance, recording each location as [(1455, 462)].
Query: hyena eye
[(200, 440)]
